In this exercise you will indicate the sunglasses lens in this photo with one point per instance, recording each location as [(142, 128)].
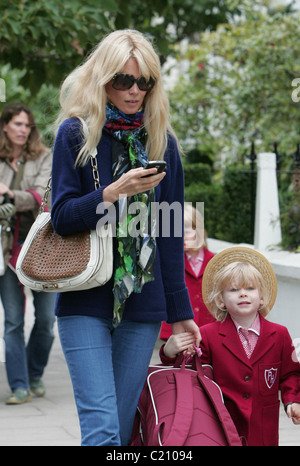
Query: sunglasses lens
[(142, 84), (122, 82), (145, 85)]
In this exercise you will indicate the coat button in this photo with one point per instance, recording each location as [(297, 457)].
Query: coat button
[(246, 396), (247, 378)]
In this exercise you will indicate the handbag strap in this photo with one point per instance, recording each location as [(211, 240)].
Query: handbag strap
[(94, 164), (95, 172)]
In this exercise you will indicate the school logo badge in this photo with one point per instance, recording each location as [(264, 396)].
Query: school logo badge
[(270, 377)]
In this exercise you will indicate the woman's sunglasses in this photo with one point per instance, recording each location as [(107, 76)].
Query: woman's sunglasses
[(123, 82)]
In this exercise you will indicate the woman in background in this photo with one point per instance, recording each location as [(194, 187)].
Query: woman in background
[(25, 166)]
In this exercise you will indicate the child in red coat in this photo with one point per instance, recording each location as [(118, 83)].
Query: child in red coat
[(196, 258), (253, 359)]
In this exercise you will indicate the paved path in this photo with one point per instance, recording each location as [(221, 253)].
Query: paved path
[(52, 420)]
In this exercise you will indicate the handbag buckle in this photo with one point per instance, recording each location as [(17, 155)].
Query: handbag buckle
[(50, 286)]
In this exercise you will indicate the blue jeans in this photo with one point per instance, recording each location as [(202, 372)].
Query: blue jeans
[(108, 368), (24, 363)]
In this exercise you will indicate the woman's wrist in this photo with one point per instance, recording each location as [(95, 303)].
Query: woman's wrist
[(10, 194), (110, 194)]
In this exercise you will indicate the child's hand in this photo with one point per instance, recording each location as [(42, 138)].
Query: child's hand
[(293, 411), (178, 343)]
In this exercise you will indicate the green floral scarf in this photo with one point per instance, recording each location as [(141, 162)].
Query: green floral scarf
[(134, 258)]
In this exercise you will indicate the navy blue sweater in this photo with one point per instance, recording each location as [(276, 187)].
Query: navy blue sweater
[(74, 203)]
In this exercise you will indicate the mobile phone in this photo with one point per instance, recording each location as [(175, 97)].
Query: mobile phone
[(159, 164)]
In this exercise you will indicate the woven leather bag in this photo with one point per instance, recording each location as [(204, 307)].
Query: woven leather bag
[(53, 263), (182, 406)]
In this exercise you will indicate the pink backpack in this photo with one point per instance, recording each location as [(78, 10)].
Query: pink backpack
[(182, 406)]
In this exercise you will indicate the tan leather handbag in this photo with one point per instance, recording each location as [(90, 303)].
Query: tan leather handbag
[(53, 263)]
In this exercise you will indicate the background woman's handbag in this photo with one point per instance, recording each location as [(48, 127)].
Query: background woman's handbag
[(2, 251), (54, 263), (7, 211)]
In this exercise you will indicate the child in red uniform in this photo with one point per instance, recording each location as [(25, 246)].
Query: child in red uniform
[(196, 258), (252, 358)]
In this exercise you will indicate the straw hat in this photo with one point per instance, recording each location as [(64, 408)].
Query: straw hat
[(239, 254)]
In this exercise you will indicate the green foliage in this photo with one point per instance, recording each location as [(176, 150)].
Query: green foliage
[(234, 224), (199, 156), (290, 218), (211, 196), (44, 104), (197, 172), (49, 38), (14, 89), (227, 205), (238, 87), (42, 41)]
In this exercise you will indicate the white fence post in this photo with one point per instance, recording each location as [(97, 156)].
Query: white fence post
[(2, 90), (267, 230)]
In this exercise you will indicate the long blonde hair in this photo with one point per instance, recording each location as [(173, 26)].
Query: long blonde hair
[(83, 91)]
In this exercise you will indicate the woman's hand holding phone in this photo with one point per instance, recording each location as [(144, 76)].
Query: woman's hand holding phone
[(134, 182), (160, 165)]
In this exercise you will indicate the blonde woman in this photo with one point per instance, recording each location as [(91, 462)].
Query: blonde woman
[(114, 104)]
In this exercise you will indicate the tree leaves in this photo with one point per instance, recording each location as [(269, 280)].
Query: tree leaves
[(239, 85), (49, 38)]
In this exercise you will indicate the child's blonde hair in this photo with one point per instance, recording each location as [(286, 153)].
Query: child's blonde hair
[(242, 275), (193, 219)]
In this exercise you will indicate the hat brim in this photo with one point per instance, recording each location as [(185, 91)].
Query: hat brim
[(239, 254)]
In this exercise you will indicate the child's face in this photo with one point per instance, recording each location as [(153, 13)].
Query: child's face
[(242, 303), (191, 239)]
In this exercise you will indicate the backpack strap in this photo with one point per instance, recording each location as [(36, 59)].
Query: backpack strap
[(183, 411), (229, 428)]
